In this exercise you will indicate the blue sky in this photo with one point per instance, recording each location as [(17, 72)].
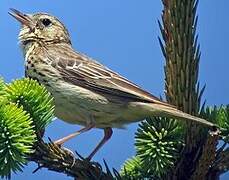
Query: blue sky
[(123, 36)]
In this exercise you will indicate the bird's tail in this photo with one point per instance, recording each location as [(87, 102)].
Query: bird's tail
[(171, 112)]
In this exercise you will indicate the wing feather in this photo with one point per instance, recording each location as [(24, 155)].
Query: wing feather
[(83, 71)]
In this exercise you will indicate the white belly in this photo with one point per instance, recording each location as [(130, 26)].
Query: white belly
[(77, 105)]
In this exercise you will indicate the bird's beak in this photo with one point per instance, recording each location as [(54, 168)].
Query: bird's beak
[(22, 18)]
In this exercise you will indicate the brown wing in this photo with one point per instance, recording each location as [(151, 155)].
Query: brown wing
[(82, 71)]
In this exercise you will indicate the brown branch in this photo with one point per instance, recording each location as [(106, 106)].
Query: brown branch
[(221, 165), (207, 157), (62, 160)]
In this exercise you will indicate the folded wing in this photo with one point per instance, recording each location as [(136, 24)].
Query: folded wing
[(81, 70)]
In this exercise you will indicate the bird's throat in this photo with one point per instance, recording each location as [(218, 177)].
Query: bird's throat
[(28, 47)]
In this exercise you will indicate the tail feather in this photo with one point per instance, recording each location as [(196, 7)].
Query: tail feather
[(168, 111)]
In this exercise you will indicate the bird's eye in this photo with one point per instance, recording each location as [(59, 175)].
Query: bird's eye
[(46, 22)]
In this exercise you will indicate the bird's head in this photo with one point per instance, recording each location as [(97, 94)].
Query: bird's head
[(40, 27)]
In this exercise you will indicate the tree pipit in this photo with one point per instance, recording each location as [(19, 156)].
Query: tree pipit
[(85, 92)]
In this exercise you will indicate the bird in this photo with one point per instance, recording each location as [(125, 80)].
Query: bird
[(85, 91)]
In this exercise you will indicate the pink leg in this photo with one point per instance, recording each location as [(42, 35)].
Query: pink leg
[(107, 135), (66, 138)]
